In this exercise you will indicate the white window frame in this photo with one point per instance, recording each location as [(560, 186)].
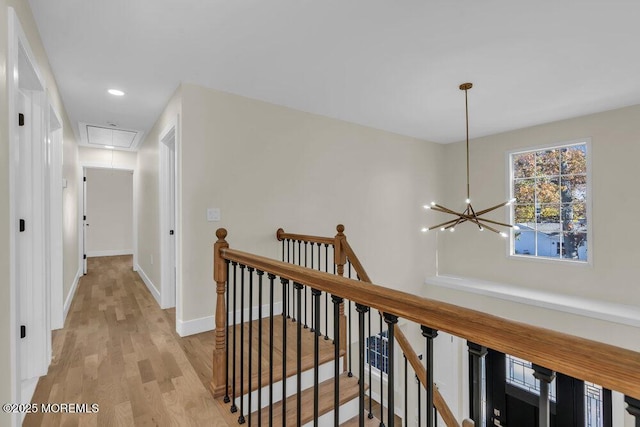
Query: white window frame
[(588, 204)]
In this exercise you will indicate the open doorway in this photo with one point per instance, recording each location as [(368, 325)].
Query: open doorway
[(108, 213)]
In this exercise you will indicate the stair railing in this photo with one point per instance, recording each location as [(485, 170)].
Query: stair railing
[(344, 254), (611, 367)]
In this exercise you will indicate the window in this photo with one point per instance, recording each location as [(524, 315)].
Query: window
[(551, 202), (377, 351)]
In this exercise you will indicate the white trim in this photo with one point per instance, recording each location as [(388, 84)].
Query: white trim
[(109, 252), (195, 326), (152, 288), (588, 204), (602, 310), (168, 261), (72, 293), (277, 309)]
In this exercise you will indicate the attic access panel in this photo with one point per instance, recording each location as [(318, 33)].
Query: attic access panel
[(99, 137)]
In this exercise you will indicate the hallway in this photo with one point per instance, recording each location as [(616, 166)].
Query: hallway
[(120, 350)]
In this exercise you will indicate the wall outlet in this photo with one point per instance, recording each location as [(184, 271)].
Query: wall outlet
[(213, 214)]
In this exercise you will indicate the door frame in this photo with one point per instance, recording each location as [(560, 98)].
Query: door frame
[(170, 290), (36, 361), (82, 207)]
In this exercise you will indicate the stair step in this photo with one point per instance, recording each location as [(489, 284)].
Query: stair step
[(369, 422), (348, 395), (307, 337)]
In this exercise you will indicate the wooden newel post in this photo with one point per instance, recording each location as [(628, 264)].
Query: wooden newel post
[(340, 259), (218, 382)]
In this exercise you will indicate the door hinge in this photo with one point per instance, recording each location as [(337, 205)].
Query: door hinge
[(84, 178), (171, 232), (20, 119), (22, 225), (23, 331), (84, 256), (84, 217)]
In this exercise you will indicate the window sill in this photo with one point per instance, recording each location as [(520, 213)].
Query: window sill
[(602, 310)]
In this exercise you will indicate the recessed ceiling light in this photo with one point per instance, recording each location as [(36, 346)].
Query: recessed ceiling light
[(111, 147), (116, 92)]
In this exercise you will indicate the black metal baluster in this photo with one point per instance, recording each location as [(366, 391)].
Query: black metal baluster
[(336, 358), (419, 401), (315, 295), (227, 399), (326, 294), (350, 373), (250, 270), (306, 307), (429, 334), (234, 408), (283, 240), (406, 391), (298, 288), (260, 274), (391, 321), (369, 361), (312, 300), (286, 291), (362, 309), (285, 285), (299, 247), (381, 372), (271, 279), (241, 417)]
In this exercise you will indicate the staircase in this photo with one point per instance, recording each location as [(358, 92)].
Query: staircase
[(282, 327)]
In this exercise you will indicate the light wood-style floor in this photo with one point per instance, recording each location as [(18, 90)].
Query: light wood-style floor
[(119, 349)]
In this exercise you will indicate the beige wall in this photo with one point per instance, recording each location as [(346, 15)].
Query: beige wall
[(118, 159), (109, 212), (615, 137), (70, 172), (267, 166), (148, 186)]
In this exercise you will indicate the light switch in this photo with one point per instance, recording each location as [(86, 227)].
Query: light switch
[(213, 214)]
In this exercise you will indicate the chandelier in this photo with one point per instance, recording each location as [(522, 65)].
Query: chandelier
[(469, 214)]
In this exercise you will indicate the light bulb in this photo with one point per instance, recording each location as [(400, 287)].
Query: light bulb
[(426, 206), (467, 201), (481, 228), (424, 229), (452, 229), (511, 201), (515, 227), (433, 203), (503, 234), (442, 229), (116, 92)]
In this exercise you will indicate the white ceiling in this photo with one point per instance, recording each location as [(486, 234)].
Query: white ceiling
[(393, 65)]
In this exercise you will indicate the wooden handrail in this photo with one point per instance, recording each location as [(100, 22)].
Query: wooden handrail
[(281, 235), (611, 367), (355, 262)]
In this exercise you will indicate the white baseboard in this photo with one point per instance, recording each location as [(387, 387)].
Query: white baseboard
[(72, 292), (152, 288), (204, 324), (111, 252), (191, 327)]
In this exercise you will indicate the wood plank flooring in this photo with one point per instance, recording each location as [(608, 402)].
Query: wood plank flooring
[(119, 349)]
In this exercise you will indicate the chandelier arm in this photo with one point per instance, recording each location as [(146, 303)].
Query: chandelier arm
[(497, 223), (488, 227), (447, 210), (493, 208), (470, 208), (459, 221), (443, 224)]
